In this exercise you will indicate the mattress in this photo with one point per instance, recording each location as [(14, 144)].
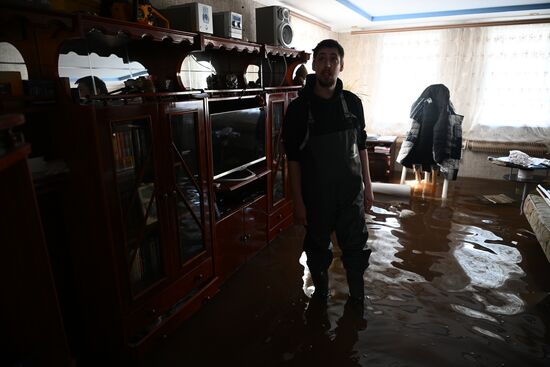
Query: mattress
[(537, 212)]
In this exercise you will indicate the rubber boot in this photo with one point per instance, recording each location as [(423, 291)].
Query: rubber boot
[(356, 286), (320, 281), (316, 316)]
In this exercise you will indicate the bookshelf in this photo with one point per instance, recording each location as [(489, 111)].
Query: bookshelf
[(147, 241)]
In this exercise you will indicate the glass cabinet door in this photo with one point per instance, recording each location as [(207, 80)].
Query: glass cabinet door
[(278, 165), (188, 192), (137, 193)]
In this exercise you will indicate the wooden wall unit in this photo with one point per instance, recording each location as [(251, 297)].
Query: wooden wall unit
[(151, 233), (279, 200)]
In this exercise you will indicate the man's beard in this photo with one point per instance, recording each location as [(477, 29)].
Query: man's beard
[(327, 83)]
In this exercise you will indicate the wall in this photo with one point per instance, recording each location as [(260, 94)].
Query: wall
[(307, 35)]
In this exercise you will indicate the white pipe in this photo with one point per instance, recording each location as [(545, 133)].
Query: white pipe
[(391, 189)]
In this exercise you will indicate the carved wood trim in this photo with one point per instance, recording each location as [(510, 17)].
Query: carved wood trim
[(281, 51), (87, 23), (213, 42)]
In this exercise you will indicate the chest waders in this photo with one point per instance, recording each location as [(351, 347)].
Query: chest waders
[(332, 188)]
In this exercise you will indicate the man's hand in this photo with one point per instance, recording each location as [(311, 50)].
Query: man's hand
[(368, 199), (368, 196)]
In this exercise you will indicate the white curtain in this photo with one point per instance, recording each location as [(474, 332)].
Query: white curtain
[(499, 78)]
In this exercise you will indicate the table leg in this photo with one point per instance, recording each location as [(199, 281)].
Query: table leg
[(445, 189)]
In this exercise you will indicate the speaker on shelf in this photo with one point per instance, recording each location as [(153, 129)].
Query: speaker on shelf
[(190, 17), (273, 26)]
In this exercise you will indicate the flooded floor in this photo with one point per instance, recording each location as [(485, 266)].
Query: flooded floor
[(460, 282)]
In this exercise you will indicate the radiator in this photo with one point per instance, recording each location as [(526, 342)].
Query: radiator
[(504, 147)]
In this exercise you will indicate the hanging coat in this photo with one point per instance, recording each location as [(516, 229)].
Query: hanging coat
[(435, 133)]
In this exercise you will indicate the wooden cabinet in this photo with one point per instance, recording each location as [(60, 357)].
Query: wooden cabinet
[(150, 197), (151, 232), (381, 151), (240, 235), (188, 181), (279, 202)]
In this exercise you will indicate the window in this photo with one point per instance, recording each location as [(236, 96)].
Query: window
[(498, 76), (407, 64), (516, 83)]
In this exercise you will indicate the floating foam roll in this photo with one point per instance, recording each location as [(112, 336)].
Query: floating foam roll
[(391, 189)]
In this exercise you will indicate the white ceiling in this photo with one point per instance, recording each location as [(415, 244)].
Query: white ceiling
[(346, 15)]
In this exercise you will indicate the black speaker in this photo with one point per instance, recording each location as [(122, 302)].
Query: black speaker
[(273, 26)]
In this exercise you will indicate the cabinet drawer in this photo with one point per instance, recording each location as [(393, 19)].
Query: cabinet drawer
[(274, 232), (279, 215), (146, 317)]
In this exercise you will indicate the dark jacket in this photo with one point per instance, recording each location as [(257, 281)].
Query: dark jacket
[(427, 139), (328, 116), (435, 135)]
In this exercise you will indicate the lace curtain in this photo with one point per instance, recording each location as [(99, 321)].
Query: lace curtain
[(499, 78)]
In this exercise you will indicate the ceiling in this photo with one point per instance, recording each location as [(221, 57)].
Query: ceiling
[(348, 15)]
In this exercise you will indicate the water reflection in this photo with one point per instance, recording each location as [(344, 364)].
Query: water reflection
[(443, 271), (441, 274), (460, 283), (327, 340)]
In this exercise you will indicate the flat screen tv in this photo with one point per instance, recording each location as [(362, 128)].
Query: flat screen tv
[(238, 141)]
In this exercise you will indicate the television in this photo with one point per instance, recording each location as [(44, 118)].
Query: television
[(238, 141)]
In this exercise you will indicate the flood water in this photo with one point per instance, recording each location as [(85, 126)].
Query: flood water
[(459, 282)]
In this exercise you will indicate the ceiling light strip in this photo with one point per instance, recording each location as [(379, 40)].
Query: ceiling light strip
[(355, 8), (448, 26), (450, 13)]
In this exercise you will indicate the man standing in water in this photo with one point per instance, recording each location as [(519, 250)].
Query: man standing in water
[(325, 142)]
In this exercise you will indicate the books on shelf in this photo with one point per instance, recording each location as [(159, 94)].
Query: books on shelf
[(129, 146), (122, 150)]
